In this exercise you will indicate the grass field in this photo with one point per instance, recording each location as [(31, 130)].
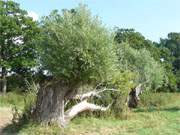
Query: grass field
[(151, 120)]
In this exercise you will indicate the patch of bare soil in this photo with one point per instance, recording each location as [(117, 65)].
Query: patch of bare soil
[(5, 117)]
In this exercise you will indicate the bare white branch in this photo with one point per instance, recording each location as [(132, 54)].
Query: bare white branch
[(83, 106)]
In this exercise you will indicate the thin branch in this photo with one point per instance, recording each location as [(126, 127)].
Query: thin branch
[(94, 93), (100, 91), (66, 103)]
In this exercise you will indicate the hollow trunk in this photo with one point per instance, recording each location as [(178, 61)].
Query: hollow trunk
[(50, 104), (132, 100), (133, 97), (3, 81)]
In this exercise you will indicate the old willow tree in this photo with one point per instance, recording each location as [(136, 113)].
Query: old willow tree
[(17, 33), (77, 50)]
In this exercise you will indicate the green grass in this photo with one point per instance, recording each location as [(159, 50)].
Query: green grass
[(14, 98), (151, 120), (157, 99)]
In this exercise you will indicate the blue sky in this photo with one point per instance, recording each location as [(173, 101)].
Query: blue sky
[(153, 18)]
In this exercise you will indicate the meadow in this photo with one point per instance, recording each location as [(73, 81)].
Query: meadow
[(157, 118)]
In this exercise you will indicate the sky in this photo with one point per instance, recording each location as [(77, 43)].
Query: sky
[(152, 18)]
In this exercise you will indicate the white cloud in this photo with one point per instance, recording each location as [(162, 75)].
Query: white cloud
[(34, 15)]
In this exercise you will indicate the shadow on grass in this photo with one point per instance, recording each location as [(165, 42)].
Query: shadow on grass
[(154, 109), (15, 128)]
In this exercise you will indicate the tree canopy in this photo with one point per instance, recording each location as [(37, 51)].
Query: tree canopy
[(171, 48), (147, 69), (17, 36), (76, 46), (18, 31)]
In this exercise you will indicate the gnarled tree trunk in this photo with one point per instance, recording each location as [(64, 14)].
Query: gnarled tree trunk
[(133, 97), (50, 104), (51, 101)]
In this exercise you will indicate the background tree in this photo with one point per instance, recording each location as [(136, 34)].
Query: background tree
[(148, 71), (17, 34), (171, 46), (136, 40), (158, 51)]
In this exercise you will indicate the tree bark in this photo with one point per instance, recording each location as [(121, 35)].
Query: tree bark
[(3, 80), (133, 97), (51, 103)]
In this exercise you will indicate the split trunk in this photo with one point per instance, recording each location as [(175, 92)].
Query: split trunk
[(51, 100)]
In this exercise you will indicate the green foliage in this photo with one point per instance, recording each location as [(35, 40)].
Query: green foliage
[(76, 46), (162, 52), (18, 99), (14, 98), (171, 82), (135, 39), (147, 70), (123, 81), (170, 52), (172, 43), (17, 40)]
